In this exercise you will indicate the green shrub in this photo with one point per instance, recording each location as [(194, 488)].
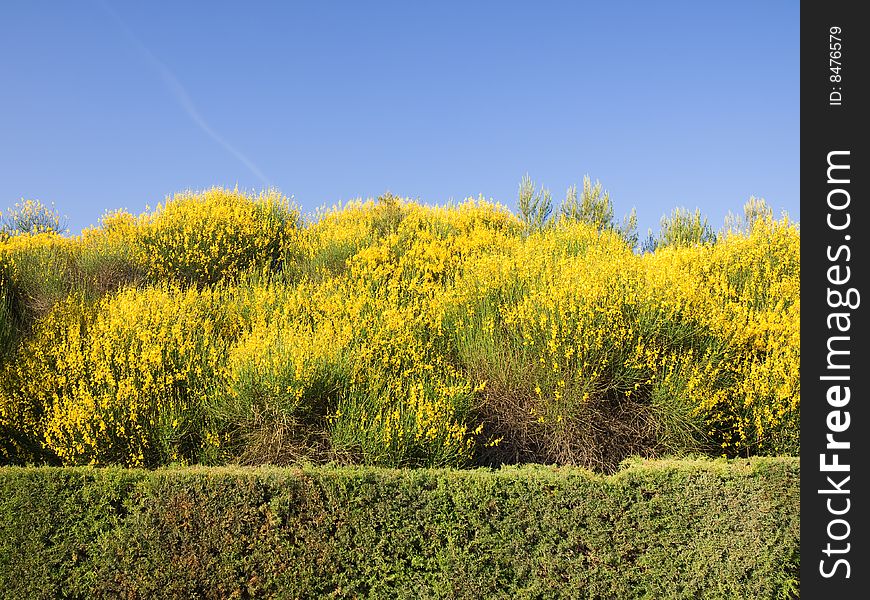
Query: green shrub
[(535, 208), (596, 208), (683, 228), (661, 529)]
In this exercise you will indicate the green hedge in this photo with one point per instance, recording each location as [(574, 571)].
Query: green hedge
[(657, 529)]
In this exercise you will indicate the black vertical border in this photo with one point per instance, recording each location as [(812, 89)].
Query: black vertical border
[(826, 128)]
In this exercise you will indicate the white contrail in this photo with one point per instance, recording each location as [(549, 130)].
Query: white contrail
[(186, 103), (183, 98)]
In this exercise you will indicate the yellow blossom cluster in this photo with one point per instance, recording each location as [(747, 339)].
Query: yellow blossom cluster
[(123, 380), (204, 237)]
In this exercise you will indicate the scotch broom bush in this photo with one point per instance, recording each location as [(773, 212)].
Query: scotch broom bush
[(216, 234), (122, 381)]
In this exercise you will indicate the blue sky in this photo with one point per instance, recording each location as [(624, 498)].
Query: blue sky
[(108, 105)]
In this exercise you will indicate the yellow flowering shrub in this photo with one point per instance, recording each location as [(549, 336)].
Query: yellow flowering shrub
[(390, 223), (556, 329), (35, 262), (38, 269), (746, 290), (329, 371), (409, 402), (405, 403), (391, 333), (586, 347), (204, 237), (338, 233), (126, 381), (8, 325), (36, 378), (108, 259), (7, 321), (282, 374)]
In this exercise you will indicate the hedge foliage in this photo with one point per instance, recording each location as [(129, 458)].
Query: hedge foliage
[(655, 529)]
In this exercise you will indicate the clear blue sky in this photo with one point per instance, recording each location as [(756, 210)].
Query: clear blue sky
[(109, 105)]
